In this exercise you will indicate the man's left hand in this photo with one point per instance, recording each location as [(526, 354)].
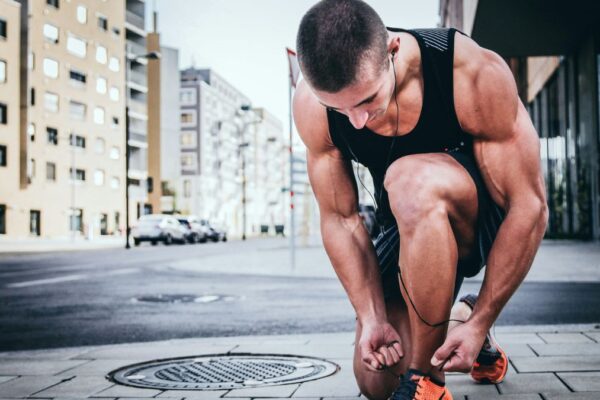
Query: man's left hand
[(460, 349)]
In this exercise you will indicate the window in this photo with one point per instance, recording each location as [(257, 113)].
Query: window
[(81, 14), (2, 218), (50, 171), (77, 141), (103, 224), (30, 61), (76, 46), (99, 177), (115, 122), (187, 97), (188, 118), (101, 54), (53, 3), (50, 33), (30, 170), (99, 146), (3, 112), (34, 221), (31, 132), (32, 96), (188, 139), (51, 101), (114, 94), (3, 155), (113, 64), (116, 30), (115, 182), (102, 23), (188, 161), (114, 153), (187, 188), (99, 115), (77, 174), (52, 134), (101, 85), (77, 110), (77, 77), (2, 28), (51, 68), (2, 71), (76, 220)]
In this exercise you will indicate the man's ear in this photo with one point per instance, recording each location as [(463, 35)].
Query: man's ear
[(393, 45)]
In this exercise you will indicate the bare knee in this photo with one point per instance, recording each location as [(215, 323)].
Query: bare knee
[(415, 194), (375, 385)]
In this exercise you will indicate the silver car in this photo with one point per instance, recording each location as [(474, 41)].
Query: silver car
[(156, 228)]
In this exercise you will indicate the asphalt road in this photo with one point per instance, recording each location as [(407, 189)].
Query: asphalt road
[(113, 296)]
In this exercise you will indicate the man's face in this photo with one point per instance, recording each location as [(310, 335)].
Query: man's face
[(365, 100)]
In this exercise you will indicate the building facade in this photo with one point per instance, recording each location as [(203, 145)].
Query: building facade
[(170, 148), (10, 140), (137, 97), (553, 49), (226, 175), (70, 133)]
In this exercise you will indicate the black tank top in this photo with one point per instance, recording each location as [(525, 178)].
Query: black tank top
[(437, 129)]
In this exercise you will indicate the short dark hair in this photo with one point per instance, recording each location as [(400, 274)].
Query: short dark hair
[(335, 37)]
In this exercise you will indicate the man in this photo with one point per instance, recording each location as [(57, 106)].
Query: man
[(455, 163)]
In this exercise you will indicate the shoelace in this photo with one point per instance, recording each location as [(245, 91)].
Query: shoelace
[(407, 389)]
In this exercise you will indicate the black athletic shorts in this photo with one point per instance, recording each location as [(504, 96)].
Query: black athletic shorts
[(489, 218)]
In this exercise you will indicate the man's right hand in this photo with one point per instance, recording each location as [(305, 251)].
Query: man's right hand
[(380, 345)]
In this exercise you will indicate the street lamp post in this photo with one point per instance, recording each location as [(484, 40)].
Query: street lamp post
[(153, 55)]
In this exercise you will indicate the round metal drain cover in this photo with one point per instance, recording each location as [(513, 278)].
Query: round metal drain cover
[(182, 298), (218, 372)]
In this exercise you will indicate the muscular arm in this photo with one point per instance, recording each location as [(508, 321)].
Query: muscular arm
[(507, 150), (345, 237)]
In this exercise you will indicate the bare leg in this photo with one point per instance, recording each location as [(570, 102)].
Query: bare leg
[(434, 201), (380, 385)]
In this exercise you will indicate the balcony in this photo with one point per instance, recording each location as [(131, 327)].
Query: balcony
[(135, 49), (138, 107), (134, 19)]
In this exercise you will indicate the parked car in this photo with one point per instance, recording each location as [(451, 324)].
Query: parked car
[(367, 213), (197, 233), (214, 233), (156, 228)]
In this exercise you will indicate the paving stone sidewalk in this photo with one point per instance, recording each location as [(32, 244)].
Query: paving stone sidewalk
[(547, 362)]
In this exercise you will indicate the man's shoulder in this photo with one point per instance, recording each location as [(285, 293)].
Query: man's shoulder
[(310, 117), (483, 85)]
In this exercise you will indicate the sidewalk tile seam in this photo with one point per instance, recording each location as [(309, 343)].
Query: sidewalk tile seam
[(589, 337), (541, 338), (563, 382), (532, 349), (74, 367), (51, 386)]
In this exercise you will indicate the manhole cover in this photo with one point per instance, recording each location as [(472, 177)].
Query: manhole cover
[(217, 372), (182, 298)]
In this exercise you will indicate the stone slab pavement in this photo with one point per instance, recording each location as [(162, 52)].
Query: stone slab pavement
[(559, 362)]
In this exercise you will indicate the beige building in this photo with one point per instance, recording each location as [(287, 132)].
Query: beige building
[(9, 113), (71, 135)]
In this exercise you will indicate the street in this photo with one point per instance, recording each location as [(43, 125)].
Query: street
[(108, 296)]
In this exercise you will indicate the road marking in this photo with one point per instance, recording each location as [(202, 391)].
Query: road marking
[(70, 278)]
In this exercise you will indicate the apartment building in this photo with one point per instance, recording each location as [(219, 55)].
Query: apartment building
[(232, 156), (10, 145), (70, 125), (137, 102)]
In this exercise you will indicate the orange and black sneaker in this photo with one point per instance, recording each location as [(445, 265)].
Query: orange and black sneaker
[(492, 363), (414, 385)]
